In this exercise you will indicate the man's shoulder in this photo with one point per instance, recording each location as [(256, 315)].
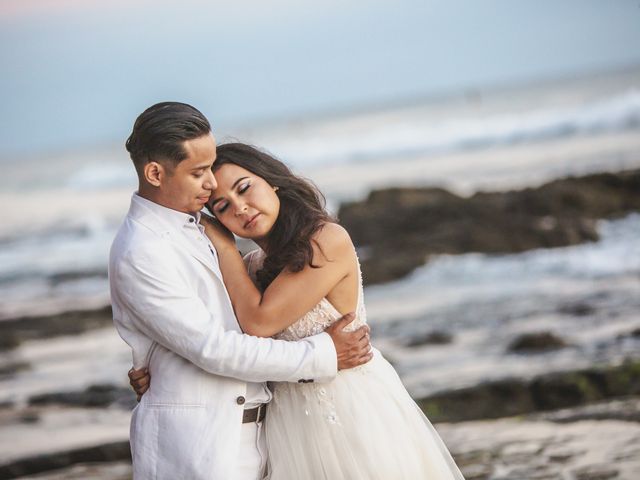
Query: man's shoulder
[(135, 240)]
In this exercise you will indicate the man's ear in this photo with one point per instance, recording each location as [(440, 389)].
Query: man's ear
[(154, 173)]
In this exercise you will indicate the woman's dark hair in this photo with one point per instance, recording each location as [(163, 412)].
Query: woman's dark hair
[(302, 211), (160, 131)]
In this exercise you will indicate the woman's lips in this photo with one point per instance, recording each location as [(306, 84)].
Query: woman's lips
[(252, 221)]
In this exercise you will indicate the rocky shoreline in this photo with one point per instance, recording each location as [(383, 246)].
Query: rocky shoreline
[(15, 331), (495, 431), (107, 453), (574, 422), (398, 229), (510, 397)]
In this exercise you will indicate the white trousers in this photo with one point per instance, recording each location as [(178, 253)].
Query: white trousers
[(252, 457)]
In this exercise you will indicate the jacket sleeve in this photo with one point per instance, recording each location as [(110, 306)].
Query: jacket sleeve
[(161, 305)]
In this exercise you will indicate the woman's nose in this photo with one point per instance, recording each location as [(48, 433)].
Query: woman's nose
[(241, 208)]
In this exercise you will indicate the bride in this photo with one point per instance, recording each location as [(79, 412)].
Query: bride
[(306, 275)]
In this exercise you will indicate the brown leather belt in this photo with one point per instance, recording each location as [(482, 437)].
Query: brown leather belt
[(256, 414)]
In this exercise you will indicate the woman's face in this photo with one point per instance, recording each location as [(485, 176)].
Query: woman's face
[(244, 202)]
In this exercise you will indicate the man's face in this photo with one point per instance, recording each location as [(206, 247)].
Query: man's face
[(188, 186)]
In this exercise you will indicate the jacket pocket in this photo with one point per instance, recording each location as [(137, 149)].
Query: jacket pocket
[(184, 444)]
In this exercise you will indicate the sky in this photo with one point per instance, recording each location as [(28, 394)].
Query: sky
[(76, 73)]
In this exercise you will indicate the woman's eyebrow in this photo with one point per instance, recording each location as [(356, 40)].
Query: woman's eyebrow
[(213, 202), (237, 181)]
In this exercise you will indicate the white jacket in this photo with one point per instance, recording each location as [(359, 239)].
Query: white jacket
[(170, 305)]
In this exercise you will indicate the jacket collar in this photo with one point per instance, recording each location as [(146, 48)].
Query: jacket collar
[(172, 225), (143, 209)]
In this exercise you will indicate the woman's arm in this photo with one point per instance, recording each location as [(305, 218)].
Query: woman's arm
[(290, 295)]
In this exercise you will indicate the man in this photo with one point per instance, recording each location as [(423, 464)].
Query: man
[(201, 418)]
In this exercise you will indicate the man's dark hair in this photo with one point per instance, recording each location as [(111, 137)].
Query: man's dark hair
[(160, 131)]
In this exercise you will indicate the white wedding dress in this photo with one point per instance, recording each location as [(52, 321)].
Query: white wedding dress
[(361, 426)]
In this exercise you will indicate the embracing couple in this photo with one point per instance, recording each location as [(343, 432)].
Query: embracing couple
[(208, 328)]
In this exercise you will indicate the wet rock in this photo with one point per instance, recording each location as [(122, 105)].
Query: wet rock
[(402, 227), (596, 472), (635, 333), (536, 342), (93, 396), (9, 341), (490, 400), (29, 417), (555, 391), (579, 309), (14, 331), (111, 452), (565, 450), (10, 369), (621, 381), (92, 471), (564, 390), (473, 457), (562, 454), (534, 472), (625, 409), (73, 275), (430, 338), (631, 452), (476, 471), (475, 464)]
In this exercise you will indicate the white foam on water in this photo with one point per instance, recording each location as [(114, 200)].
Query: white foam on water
[(418, 131)]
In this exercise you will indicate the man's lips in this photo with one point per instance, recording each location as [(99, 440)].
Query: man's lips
[(204, 198), (251, 221)]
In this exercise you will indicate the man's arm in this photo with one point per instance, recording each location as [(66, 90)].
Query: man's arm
[(166, 310)]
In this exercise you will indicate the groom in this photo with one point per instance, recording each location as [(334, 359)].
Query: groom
[(202, 416)]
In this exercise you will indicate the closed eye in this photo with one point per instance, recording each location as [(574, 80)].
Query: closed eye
[(222, 208), (244, 187)]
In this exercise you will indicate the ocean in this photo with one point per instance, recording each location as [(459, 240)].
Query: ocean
[(60, 213)]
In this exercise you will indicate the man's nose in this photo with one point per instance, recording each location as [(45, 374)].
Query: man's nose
[(210, 181)]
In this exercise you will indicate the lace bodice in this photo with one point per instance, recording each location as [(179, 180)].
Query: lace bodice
[(320, 316)]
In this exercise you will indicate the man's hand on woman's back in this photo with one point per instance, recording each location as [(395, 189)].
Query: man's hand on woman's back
[(353, 348), (139, 380)]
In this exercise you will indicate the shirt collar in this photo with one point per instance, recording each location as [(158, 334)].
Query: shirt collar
[(174, 217)]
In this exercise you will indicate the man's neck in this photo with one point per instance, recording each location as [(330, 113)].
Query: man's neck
[(152, 196)]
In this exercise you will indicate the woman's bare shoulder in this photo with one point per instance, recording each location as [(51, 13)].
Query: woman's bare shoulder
[(333, 242)]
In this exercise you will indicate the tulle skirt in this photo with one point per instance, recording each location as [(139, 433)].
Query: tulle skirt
[(362, 426)]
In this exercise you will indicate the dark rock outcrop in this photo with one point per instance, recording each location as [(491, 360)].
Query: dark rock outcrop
[(93, 396), (511, 397), (15, 331), (536, 343), (430, 338), (111, 452), (397, 229)]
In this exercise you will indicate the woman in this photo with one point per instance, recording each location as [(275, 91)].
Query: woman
[(363, 425)]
